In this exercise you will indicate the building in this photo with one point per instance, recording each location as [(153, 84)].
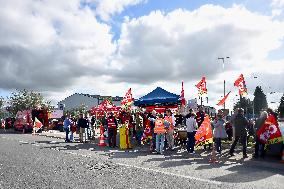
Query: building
[(78, 99), (210, 110)]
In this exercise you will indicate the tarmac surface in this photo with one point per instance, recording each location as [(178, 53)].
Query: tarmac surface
[(39, 161)]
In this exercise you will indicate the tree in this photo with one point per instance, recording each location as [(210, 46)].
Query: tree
[(259, 101), (246, 104), (281, 107), (82, 109), (26, 100), (2, 102)]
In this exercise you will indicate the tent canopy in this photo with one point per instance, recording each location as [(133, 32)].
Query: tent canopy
[(158, 96), (103, 108)]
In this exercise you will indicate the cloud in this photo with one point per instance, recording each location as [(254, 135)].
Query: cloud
[(107, 8), (50, 44), (277, 3), (185, 45)]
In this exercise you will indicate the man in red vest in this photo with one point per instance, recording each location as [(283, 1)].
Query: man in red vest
[(112, 130)]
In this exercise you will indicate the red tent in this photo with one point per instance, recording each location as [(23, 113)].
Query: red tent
[(105, 107)]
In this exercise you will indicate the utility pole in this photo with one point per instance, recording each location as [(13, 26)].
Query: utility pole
[(223, 61)]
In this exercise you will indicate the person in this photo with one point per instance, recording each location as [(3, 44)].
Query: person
[(138, 127), (229, 130), (72, 130), (160, 131), (259, 146), (82, 124), (112, 130), (179, 118), (67, 124), (170, 129), (219, 132), (152, 118), (240, 123), (191, 127)]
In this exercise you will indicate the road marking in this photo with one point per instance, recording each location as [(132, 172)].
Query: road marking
[(171, 174)]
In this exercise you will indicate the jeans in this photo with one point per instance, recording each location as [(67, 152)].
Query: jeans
[(190, 141), (112, 137), (160, 142), (82, 131), (67, 133), (218, 145), (170, 139), (71, 136), (244, 143)]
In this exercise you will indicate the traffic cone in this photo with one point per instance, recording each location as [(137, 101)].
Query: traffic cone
[(213, 158), (102, 137)]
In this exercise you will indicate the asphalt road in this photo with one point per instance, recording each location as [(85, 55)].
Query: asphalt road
[(28, 161)]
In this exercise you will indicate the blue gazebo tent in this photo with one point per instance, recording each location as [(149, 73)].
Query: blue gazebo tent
[(158, 96)]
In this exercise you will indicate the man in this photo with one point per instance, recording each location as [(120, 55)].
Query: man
[(170, 129), (82, 124), (66, 126), (240, 127), (112, 130), (152, 119), (191, 127)]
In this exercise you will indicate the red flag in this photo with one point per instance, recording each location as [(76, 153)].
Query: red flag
[(37, 123), (269, 133), (240, 83), (204, 133), (127, 99), (182, 95), (201, 85), (222, 101)]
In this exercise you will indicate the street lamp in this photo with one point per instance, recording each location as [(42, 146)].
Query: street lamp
[(223, 61)]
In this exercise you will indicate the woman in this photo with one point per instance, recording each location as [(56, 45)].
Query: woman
[(219, 132), (170, 129)]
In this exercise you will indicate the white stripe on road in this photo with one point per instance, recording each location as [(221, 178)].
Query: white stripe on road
[(171, 174)]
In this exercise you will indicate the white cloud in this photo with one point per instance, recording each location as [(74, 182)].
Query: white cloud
[(107, 8), (277, 3)]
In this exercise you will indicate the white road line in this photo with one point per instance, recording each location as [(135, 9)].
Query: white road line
[(171, 174)]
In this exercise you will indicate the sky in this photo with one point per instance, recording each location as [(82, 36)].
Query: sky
[(107, 46)]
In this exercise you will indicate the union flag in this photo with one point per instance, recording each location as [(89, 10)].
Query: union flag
[(127, 99), (269, 133), (147, 134), (201, 86), (241, 84), (222, 101), (37, 123), (204, 133), (182, 95)]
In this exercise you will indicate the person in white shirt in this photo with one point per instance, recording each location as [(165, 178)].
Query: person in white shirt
[(191, 127)]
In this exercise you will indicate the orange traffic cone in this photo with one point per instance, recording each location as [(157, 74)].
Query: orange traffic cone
[(102, 137)]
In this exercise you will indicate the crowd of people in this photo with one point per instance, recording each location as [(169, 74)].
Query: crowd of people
[(162, 128)]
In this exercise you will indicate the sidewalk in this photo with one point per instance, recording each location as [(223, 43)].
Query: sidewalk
[(58, 134)]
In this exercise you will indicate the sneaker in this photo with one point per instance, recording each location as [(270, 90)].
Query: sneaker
[(192, 152), (245, 156)]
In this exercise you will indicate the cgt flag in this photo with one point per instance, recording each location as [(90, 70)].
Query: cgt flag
[(241, 84), (222, 101), (127, 99), (204, 133), (183, 102), (269, 133), (147, 133), (37, 123), (201, 86)]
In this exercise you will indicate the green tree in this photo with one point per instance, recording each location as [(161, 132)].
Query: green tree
[(246, 104), (281, 107), (26, 100), (2, 102), (82, 109), (259, 101)]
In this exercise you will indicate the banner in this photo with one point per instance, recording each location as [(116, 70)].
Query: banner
[(201, 86), (147, 134), (270, 133), (37, 123), (204, 134), (183, 103), (241, 84)]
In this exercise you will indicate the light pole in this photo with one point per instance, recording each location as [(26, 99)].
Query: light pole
[(223, 61)]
